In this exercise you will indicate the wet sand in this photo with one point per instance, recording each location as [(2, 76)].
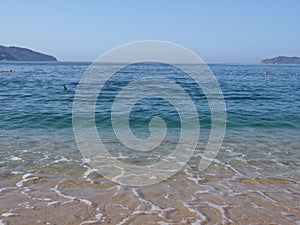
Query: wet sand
[(182, 199)]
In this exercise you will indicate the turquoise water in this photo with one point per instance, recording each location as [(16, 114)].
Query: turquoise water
[(32, 97), (263, 116)]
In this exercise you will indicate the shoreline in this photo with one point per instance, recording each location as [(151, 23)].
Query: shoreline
[(180, 199)]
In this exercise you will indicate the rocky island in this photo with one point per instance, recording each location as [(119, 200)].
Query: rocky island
[(13, 53), (281, 60)]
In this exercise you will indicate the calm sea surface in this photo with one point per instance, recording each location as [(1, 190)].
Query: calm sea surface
[(262, 139)]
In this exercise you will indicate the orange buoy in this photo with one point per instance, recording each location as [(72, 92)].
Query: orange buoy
[(266, 72), (10, 70)]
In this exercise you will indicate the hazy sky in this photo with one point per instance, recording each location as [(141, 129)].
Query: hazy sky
[(218, 31)]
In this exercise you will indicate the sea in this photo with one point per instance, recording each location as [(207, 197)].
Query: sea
[(47, 178)]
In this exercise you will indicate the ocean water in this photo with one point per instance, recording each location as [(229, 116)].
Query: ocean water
[(42, 168)]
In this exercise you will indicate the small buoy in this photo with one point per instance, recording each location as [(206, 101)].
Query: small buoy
[(64, 87), (266, 72), (6, 71)]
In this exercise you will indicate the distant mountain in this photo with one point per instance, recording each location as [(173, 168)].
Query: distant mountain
[(22, 54), (281, 60)]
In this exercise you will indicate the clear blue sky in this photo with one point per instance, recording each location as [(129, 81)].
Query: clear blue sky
[(219, 31)]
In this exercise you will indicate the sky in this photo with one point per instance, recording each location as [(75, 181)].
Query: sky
[(224, 31)]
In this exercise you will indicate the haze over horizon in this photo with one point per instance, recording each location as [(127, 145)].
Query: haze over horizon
[(218, 31)]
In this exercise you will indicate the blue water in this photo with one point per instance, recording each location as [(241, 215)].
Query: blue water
[(32, 97), (263, 114)]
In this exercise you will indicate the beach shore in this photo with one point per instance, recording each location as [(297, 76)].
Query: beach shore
[(28, 199)]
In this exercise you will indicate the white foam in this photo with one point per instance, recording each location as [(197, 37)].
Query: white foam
[(287, 191), (117, 191), (121, 156), (88, 172), (115, 179), (17, 172), (71, 198), (53, 203), (285, 214), (278, 163), (207, 191), (26, 177), (62, 159), (58, 192), (23, 203), (198, 213), (256, 206), (9, 214), (98, 216), (267, 197), (191, 175), (220, 208), (86, 160), (88, 222), (14, 158), (85, 201), (154, 208)]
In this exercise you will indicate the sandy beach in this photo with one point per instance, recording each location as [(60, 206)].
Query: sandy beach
[(26, 199)]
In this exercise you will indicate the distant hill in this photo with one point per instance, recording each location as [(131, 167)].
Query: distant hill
[(22, 54), (281, 60)]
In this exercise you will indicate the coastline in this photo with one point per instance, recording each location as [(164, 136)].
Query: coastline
[(40, 200)]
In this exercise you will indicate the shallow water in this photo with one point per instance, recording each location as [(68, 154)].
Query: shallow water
[(253, 180)]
